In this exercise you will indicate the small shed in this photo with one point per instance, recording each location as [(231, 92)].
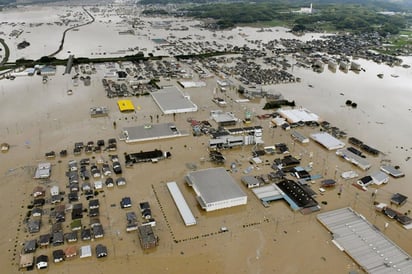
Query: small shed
[(250, 181)]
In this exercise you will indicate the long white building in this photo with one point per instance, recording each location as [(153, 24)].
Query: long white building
[(181, 204)]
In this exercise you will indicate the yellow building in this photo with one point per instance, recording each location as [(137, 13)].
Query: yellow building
[(125, 105)]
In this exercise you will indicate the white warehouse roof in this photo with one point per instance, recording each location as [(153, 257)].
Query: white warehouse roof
[(297, 115), (172, 100), (327, 140), (216, 189), (181, 204)]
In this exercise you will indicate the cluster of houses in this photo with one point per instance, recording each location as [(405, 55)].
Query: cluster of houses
[(29, 260), (146, 235), (97, 147), (397, 200), (57, 235), (85, 179)]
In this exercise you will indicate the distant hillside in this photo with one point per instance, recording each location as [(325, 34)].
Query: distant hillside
[(6, 2), (393, 5)]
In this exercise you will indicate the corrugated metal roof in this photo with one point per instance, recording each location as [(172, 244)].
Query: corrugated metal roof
[(372, 250)]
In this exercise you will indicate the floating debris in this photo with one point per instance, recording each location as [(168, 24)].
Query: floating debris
[(5, 147)]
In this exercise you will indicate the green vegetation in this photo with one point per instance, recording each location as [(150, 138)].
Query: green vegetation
[(398, 42), (331, 17), (6, 52), (203, 55)]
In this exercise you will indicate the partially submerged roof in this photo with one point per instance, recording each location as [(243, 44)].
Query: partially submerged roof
[(172, 100), (327, 140), (399, 199), (379, 177), (26, 260), (181, 204), (298, 115), (125, 105), (85, 251), (214, 185), (268, 193), (364, 243), (149, 132), (43, 171), (353, 158), (394, 172)]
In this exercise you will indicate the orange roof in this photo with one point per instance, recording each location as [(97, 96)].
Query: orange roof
[(70, 251)]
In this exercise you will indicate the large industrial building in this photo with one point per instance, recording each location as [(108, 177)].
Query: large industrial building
[(172, 100), (364, 243), (298, 115), (150, 132), (215, 189), (327, 140)]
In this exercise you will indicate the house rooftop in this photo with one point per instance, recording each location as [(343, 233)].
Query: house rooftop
[(399, 199)]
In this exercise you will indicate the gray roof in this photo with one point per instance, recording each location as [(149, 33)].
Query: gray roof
[(214, 185), (220, 116), (151, 132), (353, 158), (372, 250), (392, 171), (268, 193), (250, 180), (172, 100)]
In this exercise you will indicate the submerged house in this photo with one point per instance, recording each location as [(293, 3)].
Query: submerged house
[(147, 237)]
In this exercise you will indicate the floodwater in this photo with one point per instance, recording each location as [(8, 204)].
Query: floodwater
[(103, 39), (37, 118)]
